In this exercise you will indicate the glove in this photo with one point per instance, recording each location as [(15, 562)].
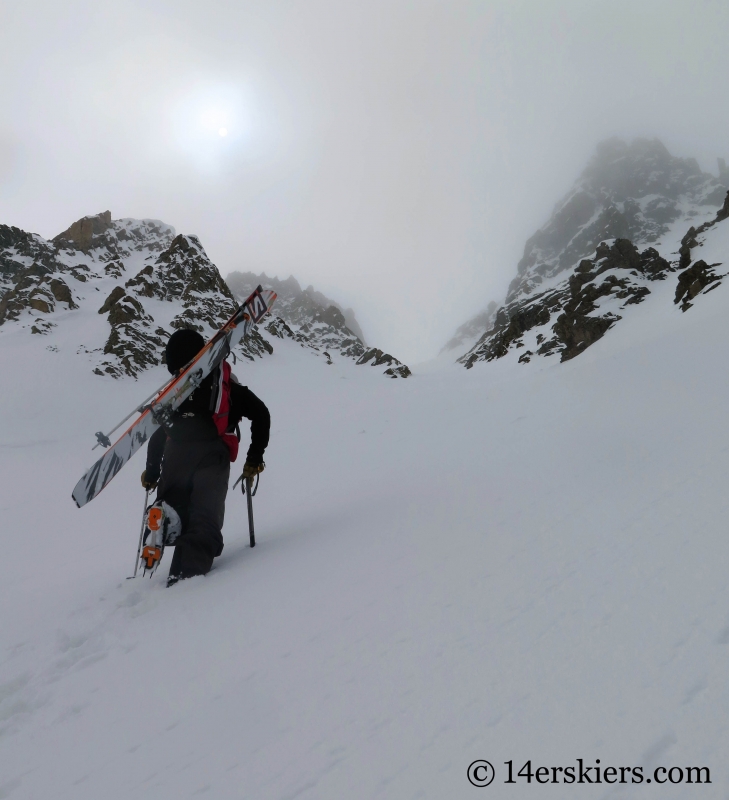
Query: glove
[(147, 484), (251, 470)]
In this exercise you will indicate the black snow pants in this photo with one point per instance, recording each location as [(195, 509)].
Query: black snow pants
[(194, 482)]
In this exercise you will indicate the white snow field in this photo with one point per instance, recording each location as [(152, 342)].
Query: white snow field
[(513, 562)]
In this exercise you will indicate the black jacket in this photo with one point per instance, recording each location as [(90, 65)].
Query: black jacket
[(193, 422)]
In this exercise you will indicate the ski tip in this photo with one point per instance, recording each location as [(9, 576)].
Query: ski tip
[(77, 495)]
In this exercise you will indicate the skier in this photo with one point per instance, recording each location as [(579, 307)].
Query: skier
[(190, 458)]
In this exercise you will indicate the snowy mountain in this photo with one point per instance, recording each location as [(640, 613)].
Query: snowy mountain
[(145, 281), (296, 306), (471, 330), (315, 322), (506, 563), (615, 234), (432, 585)]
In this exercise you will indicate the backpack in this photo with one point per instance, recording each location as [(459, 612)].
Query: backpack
[(220, 406)]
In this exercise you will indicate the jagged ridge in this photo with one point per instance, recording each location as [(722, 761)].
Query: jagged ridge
[(630, 196), (315, 322), (151, 281)]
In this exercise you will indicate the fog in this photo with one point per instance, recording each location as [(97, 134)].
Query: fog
[(394, 154)]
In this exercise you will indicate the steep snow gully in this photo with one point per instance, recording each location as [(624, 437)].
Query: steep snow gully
[(523, 562), (501, 563)]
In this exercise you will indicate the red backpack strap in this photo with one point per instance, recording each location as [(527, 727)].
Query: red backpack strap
[(221, 411)]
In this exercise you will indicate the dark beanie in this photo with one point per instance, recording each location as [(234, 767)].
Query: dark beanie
[(182, 346)]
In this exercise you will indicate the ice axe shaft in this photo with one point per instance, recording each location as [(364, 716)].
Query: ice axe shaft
[(249, 499), (141, 534)]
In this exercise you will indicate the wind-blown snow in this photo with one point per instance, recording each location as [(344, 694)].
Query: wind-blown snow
[(488, 564)]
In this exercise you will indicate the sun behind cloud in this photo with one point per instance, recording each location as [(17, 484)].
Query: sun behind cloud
[(209, 123)]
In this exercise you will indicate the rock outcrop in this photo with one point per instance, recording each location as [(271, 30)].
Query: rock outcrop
[(599, 252), (152, 282), (81, 235), (700, 277), (376, 358), (20, 251), (293, 304), (569, 318), (107, 240), (183, 276), (631, 191), (315, 322), (470, 331), (36, 290), (146, 281), (43, 277)]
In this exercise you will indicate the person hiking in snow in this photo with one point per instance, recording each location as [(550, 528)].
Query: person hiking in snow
[(189, 461)]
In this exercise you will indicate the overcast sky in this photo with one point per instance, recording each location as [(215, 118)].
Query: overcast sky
[(393, 153)]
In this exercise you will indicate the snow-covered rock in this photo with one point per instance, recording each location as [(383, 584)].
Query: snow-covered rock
[(315, 322), (467, 334), (107, 240), (633, 199), (701, 277), (584, 307), (145, 280), (295, 305), (151, 279), (635, 191), (181, 281)]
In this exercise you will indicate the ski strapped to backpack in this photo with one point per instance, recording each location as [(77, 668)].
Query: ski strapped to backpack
[(162, 408)]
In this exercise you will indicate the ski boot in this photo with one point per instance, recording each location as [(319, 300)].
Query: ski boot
[(162, 528)]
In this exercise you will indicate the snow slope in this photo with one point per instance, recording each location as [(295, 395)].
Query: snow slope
[(499, 564)]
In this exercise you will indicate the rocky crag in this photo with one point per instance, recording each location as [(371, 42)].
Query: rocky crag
[(144, 281), (148, 279), (700, 277), (316, 323), (615, 233), (471, 330), (182, 288), (295, 305)]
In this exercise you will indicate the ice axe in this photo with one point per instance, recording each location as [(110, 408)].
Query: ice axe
[(249, 499), (249, 491)]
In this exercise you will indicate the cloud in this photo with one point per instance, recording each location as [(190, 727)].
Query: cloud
[(10, 154), (396, 155)]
